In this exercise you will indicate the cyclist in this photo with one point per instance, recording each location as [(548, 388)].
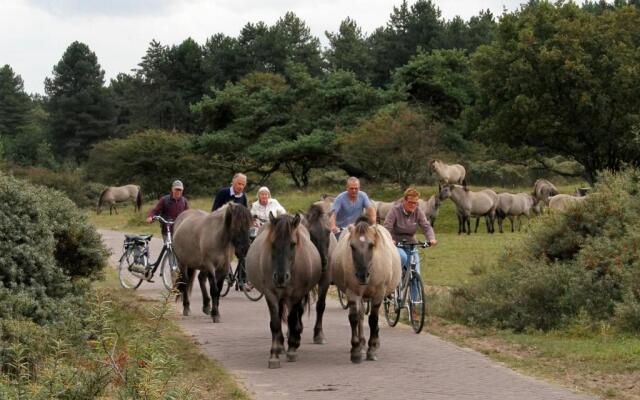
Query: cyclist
[(403, 221), (349, 205), (170, 206), (234, 193), (265, 205)]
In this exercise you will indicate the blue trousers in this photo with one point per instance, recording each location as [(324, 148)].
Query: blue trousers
[(404, 261)]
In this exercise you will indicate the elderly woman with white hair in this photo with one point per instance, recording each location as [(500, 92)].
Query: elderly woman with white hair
[(265, 204)]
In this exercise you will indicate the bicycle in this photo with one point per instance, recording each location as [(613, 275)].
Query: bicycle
[(239, 276), (344, 301), (410, 292), (134, 266)]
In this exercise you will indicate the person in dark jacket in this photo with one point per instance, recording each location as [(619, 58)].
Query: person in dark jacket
[(170, 205), (234, 193)]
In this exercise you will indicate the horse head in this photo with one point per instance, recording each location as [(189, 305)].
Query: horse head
[(444, 192), (317, 222), (237, 223), (362, 242), (283, 236)]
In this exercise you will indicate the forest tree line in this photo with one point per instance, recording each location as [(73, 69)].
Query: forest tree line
[(548, 87)]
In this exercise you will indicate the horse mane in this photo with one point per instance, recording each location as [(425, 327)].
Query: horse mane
[(236, 217), (362, 224), (314, 213)]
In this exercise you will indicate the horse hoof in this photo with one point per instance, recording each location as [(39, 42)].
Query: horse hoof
[(274, 364), (372, 357), (320, 339), (186, 312), (215, 318), (292, 357), (206, 310), (280, 351), (356, 358)]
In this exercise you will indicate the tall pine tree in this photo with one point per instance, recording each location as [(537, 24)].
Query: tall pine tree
[(81, 111), (14, 103)]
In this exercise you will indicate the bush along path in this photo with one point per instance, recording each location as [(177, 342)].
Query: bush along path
[(418, 366)]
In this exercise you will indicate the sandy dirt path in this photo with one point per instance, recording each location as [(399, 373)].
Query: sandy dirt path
[(409, 365)]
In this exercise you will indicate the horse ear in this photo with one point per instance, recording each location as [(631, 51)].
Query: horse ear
[(296, 220), (272, 219)]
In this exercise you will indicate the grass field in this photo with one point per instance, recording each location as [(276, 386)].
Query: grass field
[(596, 360)]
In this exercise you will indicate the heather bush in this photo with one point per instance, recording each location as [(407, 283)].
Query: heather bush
[(585, 261)]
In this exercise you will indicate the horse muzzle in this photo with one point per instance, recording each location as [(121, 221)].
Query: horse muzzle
[(363, 279), (281, 280)]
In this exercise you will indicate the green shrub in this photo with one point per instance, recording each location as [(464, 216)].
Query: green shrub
[(586, 260), (46, 245), (72, 183), (153, 159)]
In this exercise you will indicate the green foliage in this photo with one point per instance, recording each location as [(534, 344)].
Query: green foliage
[(46, 244), (348, 50), (562, 80), (439, 80), (14, 103), (585, 261), (152, 159), (406, 136), (81, 111)]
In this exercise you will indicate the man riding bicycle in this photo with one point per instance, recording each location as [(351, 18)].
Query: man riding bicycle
[(403, 221), (170, 206), (349, 205)]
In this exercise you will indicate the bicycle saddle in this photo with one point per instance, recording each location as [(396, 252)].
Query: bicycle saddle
[(138, 238)]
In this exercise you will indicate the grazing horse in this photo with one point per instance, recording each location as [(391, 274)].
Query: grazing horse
[(471, 204), (284, 264), (365, 265), (206, 242), (383, 208), (317, 222), (118, 194), (514, 205), (430, 208), (448, 174), (561, 202), (542, 190)]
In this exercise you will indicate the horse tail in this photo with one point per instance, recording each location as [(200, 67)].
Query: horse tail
[(99, 206), (139, 199)]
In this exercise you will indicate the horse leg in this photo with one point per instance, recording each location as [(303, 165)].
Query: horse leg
[(215, 286), (323, 288), (511, 220), (276, 332), (467, 218), (184, 289), (460, 224), (354, 320), (477, 223), (374, 337), (206, 300), (295, 331)]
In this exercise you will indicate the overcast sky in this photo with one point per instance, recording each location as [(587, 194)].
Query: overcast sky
[(35, 33)]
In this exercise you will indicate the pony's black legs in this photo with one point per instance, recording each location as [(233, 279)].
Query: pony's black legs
[(500, 222), (374, 337), (215, 288), (188, 276), (295, 330), (206, 300), (355, 320), (460, 224), (478, 222), (276, 333), (323, 288), (467, 219)]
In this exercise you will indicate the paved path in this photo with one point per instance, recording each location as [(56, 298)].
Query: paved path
[(408, 366)]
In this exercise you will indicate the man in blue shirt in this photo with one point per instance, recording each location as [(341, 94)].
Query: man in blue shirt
[(349, 205), (234, 193)]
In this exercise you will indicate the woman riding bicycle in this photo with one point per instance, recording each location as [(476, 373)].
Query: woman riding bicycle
[(403, 221), (265, 204)]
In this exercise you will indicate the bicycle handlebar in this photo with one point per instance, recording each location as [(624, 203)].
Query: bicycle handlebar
[(403, 243), (164, 221)]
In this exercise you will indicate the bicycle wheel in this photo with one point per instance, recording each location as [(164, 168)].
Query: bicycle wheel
[(342, 297), (391, 305), (127, 279), (169, 270), (229, 280), (416, 303)]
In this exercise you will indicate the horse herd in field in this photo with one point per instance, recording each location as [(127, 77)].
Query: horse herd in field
[(296, 257)]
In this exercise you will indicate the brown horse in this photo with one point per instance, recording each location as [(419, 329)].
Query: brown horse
[(206, 242), (365, 265), (317, 222), (284, 264), (119, 194)]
